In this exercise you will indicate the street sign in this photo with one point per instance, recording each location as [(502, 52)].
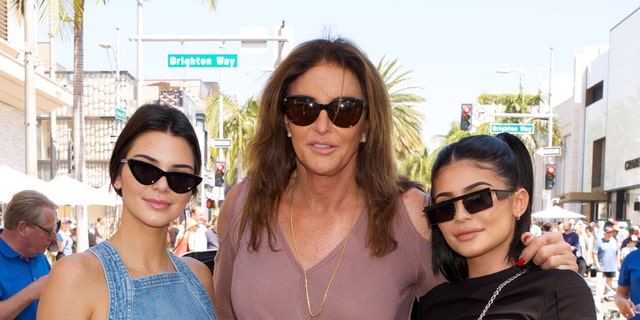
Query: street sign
[(524, 128), (549, 151), (121, 114), (202, 60), (220, 143)]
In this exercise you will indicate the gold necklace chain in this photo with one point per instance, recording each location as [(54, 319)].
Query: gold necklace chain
[(304, 272)]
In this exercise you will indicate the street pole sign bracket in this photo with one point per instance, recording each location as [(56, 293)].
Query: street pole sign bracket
[(220, 143), (549, 152)]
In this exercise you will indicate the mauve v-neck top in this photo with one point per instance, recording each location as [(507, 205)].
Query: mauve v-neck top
[(266, 284)]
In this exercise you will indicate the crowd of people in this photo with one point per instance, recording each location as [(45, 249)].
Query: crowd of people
[(321, 211)]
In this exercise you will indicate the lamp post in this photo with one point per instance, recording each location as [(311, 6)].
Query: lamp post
[(116, 54), (549, 160)]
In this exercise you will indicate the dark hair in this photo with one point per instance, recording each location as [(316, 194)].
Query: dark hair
[(271, 158), (508, 157), (154, 117), (26, 206)]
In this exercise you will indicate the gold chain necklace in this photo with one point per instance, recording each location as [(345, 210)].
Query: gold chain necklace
[(304, 272)]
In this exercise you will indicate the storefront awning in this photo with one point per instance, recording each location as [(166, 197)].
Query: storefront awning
[(583, 197)]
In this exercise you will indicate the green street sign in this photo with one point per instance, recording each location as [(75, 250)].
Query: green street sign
[(523, 128), (202, 60), (121, 114)]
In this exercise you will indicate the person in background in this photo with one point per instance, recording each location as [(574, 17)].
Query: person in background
[(154, 168), (65, 242), (186, 242), (212, 234), (546, 227), (29, 228), (535, 229), (198, 238), (627, 298), (630, 247), (323, 213), (481, 187), (172, 234), (570, 236), (606, 258), (100, 230)]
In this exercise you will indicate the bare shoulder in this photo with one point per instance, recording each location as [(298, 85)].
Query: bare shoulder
[(202, 272), (79, 278), (415, 200)]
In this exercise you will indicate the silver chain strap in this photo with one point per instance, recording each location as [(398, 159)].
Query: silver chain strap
[(495, 293)]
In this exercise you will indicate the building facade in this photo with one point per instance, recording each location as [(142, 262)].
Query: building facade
[(600, 168)]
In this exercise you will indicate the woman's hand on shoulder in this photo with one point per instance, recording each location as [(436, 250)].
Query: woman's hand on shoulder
[(75, 289), (549, 251), (415, 200)]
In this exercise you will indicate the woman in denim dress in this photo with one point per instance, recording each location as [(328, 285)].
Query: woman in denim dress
[(132, 275)]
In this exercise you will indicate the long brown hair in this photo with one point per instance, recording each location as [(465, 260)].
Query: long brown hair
[(271, 158)]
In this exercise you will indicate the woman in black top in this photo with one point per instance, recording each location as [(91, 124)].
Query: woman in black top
[(481, 189)]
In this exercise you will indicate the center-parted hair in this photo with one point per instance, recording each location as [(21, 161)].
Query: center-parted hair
[(271, 158), (154, 117), (509, 159)]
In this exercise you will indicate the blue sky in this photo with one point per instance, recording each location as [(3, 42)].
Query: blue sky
[(452, 48)]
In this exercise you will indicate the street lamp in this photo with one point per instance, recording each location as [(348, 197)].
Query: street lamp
[(545, 92), (116, 54)]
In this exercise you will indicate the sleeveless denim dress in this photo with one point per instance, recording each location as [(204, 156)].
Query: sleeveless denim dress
[(173, 295)]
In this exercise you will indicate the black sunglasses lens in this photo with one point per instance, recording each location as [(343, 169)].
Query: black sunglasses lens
[(148, 174), (182, 182), (346, 113), (301, 111), (478, 202), (143, 172), (441, 213)]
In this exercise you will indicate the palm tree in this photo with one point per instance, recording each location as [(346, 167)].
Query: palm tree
[(418, 167), (239, 126), (521, 103), (78, 88), (407, 122)]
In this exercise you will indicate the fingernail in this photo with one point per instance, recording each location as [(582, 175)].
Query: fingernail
[(521, 262), (527, 238)]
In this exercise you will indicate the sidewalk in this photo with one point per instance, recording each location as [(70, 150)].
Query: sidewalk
[(603, 306)]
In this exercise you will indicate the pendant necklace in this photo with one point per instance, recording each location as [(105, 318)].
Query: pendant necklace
[(304, 272), (498, 289)]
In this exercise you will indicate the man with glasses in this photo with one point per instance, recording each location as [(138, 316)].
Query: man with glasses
[(29, 228)]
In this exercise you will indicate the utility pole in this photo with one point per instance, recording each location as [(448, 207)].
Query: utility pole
[(31, 149)]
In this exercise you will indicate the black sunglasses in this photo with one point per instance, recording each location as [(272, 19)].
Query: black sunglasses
[(473, 202), (303, 111), (146, 173)]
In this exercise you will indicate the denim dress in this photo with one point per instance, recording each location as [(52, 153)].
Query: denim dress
[(173, 295)]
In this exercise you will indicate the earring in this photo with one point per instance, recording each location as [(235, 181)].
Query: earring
[(518, 218), (288, 134), (363, 140)]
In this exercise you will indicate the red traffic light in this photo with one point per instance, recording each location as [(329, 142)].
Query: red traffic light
[(550, 176), (466, 109), (220, 166), (551, 169)]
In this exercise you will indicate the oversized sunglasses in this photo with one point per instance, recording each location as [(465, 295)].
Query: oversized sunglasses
[(147, 174), (303, 111), (473, 202)]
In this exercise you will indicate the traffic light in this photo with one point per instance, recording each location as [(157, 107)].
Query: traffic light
[(219, 174), (211, 204), (466, 111), (550, 177)]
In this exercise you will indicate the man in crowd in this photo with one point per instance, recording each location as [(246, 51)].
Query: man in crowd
[(29, 228)]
